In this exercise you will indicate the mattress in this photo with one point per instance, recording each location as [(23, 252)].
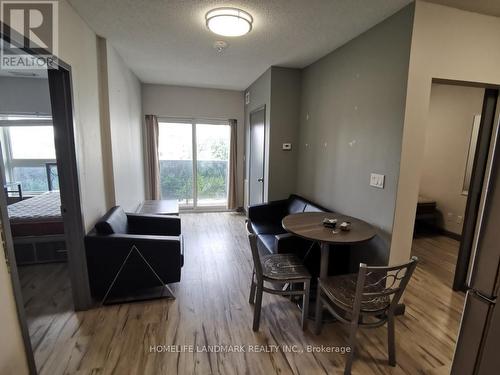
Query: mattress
[(37, 216)]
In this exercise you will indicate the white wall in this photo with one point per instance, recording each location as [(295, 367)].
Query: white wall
[(448, 44), (24, 95), (126, 129), (451, 113), (189, 102), (78, 48), (12, 355)]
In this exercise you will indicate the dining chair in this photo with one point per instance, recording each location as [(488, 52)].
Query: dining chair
[(366, 299), (283, 269)]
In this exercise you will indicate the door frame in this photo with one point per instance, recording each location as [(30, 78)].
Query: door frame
[(476, 188), (264, 183), (61, 97)]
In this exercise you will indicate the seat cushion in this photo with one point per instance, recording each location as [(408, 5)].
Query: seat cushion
[(296, 205), (312, 208), (341, 291), (114, 222), (283, 267), (267, 228)]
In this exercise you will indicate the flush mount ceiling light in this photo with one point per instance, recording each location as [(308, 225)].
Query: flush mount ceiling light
[(229, 21)]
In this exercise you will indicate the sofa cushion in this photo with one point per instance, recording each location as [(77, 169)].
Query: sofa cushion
[(267, 227), (312, 208), (266, 243), (296, 206), (114, 222)]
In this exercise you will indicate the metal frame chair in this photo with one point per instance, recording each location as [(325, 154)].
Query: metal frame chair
[(284, 269), (367, 299)]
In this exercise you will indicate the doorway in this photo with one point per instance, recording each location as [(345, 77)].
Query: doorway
[(194, 163), (257, 156), (458, 137), (459, 132), (46, 165)]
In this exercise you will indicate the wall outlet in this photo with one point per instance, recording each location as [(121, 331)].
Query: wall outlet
[(460, 219), (377, 180), (286, 146)]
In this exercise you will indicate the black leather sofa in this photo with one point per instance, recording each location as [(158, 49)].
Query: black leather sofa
[(159, 245), (272, 238), (266, 223)]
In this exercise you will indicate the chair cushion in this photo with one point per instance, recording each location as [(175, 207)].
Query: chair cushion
[(114, 222), (342, 289), (283, 267)]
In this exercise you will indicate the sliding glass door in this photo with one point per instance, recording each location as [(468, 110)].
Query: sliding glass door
[(194, 163)]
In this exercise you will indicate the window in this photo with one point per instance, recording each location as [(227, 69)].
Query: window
[(29, 154), (194, 162), (212, 142), (175, 147)]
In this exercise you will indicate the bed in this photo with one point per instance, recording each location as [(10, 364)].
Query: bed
[(38, 229)]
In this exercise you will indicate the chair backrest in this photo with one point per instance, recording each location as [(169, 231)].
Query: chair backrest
[(114, 222), (379, 283), (252, 239)]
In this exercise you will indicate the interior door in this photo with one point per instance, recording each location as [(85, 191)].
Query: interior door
[(256, 167)]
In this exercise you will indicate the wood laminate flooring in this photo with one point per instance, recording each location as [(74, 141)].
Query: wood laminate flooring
[(212, 308)]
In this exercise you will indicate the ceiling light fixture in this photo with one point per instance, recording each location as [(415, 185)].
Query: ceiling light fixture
[(229, 21)]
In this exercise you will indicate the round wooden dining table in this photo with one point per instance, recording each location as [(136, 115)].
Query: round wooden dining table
[(309, 225)]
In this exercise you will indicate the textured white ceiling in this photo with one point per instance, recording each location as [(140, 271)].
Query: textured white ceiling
[(166, 41)]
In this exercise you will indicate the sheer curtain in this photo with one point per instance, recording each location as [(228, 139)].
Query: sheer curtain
[(153, 164), (232, 202)]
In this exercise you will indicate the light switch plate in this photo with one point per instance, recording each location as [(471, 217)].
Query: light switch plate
[(286, 146), (377, 180)]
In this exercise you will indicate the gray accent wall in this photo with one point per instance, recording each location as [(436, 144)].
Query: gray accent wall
[(285, 115), (279, 90), (351, 122), (260, 95)]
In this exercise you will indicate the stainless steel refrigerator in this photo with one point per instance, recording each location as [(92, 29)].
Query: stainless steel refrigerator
[(478, 346)]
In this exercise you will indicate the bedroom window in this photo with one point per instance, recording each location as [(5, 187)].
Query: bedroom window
[(29, 154)]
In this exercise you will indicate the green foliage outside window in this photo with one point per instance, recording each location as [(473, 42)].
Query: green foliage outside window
[(176, 179)]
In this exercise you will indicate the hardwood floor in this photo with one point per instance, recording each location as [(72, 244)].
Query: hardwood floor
[(212, 308), (46, 292)]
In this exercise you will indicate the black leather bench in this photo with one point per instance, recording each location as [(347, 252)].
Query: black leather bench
[(272, 238)]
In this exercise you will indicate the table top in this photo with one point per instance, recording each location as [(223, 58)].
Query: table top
[(161, 207), (309, 225)]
